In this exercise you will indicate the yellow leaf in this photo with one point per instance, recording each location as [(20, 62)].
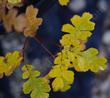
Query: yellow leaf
[(57, 84), (29, 71), (64, 2), (56, 72), (89, 60), (61, 75), (9, 63), (81, 27), (68, 76), (68, 28), (83, 23), (14, 1)]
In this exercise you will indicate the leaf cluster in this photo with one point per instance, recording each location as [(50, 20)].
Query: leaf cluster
[(74, 55)]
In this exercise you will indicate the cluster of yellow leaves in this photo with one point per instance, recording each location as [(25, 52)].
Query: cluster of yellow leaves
[(27, 23), (9, 63), (63, 78), (74, 55), (35, 86), (64, 2)]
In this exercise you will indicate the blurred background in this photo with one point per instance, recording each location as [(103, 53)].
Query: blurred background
[(86, 85)]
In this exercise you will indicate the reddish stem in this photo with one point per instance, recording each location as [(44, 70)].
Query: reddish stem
[(24, 46), (44, 48)]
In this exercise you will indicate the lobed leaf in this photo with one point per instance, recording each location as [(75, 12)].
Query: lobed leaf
[(9, 63), (61, 75), (36, 87)]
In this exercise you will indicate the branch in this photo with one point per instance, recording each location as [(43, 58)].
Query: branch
[(44, 48)]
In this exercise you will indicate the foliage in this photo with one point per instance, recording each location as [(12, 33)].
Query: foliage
[(63, 78), (9, 63), (38, 87), (32, 22), (26, 22), (73, 54)]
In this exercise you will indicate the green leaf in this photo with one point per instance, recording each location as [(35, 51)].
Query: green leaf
[(36, 87)]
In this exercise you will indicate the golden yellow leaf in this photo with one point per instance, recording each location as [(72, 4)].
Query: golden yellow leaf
[(9, 63), (33, 22), (63, 78), (64, 2), (14, 1), (57, 84)]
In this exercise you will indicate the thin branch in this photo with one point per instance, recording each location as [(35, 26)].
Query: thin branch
[(24, 46), (44, 48), (25, 43)]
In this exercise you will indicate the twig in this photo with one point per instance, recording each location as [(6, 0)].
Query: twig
[(44, 48), (24, 46)]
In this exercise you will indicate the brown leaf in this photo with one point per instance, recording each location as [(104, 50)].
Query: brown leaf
[(20, 23), (8, 19), (33, 22), (2, 9)]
